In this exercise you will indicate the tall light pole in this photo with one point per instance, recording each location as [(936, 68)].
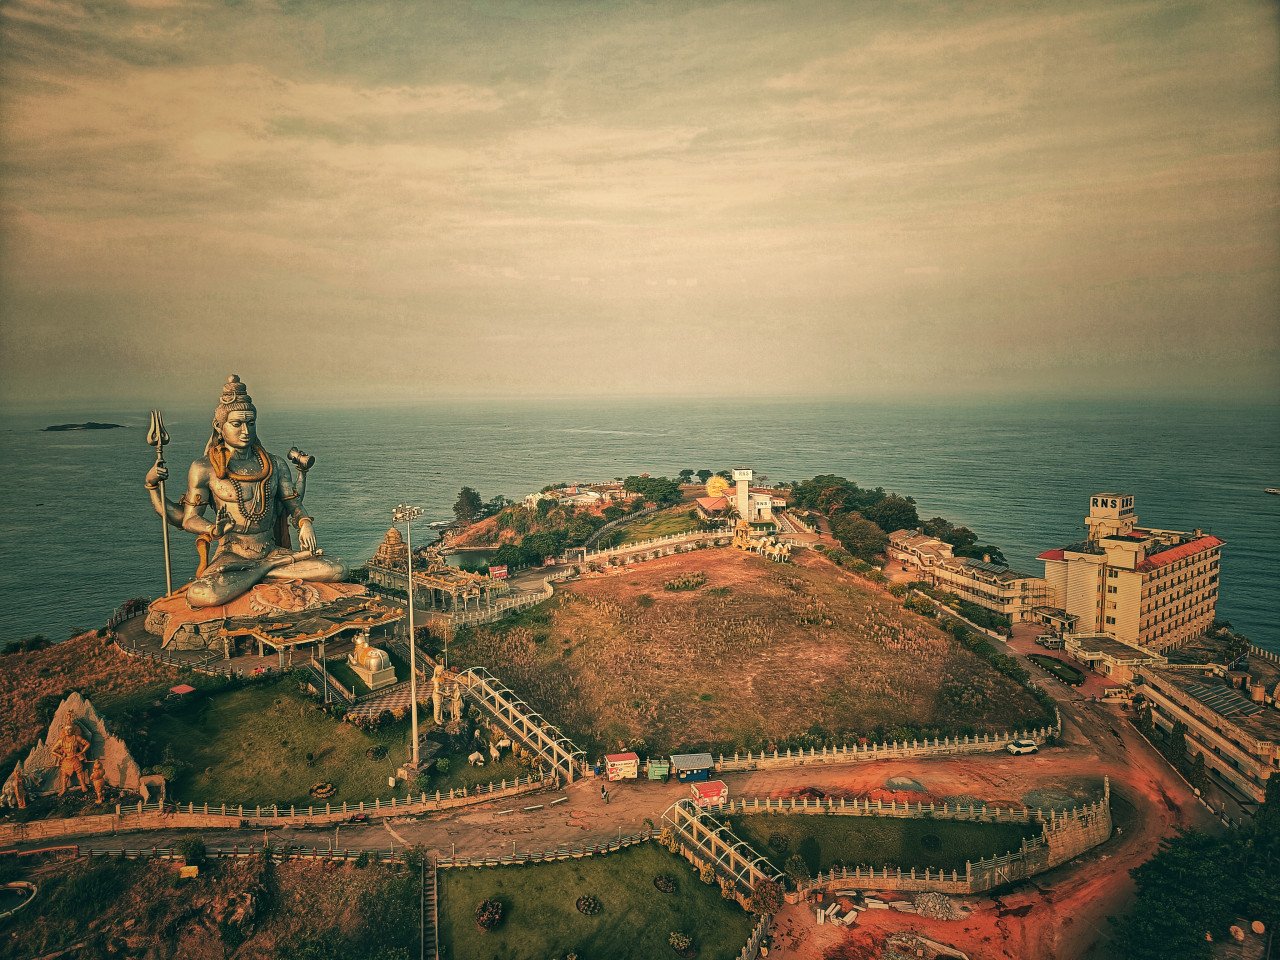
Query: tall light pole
[(406, 514)]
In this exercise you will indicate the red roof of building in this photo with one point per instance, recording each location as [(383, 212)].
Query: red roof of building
[(182, 688), (1052, 555), (1181, 552), (712, 503), (710, 788), (622, 757)]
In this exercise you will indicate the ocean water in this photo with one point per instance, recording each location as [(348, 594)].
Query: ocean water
[(77, 534)]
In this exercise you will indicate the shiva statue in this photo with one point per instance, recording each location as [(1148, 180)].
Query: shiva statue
[(254, 496)]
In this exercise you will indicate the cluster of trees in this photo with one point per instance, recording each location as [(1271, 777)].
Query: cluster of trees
[(26, 644), (964, 542), (862, 519), (550, 527), (470, 506), (1200, 885), (1174, 747), (657, 490)]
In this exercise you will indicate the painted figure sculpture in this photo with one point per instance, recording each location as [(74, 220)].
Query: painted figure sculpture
[(69, 751), (98, 778), (254, 496)]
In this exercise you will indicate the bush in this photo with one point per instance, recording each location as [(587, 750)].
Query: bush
[(488, 913), (665, 882), (707, 873), (589, 905), (193, 852), (691, 581), (796, 868), (362, 861), (442, 765), (680, 941), (766, 896)]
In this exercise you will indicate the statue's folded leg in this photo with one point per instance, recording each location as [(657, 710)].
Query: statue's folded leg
[(222, 585), (312, 568)]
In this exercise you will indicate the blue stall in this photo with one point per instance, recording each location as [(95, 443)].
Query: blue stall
[(692, 767)]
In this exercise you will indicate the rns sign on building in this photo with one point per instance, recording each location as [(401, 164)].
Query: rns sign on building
[(1110, 504)]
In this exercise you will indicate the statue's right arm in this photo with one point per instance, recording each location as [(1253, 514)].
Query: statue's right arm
[(196, 499), (171, 512)]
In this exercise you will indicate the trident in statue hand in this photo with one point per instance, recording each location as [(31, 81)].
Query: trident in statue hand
[(157, 437)]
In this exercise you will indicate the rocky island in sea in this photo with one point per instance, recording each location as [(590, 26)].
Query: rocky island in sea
[(87, 425)]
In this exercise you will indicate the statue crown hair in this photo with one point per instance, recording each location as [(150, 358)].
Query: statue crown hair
[(235, 396)]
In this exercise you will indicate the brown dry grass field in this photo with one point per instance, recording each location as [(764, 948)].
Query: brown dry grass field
[(88, 663), (760, 654), (239, 908)]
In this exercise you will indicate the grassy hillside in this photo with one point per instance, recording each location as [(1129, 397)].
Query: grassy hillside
[(755, 654)]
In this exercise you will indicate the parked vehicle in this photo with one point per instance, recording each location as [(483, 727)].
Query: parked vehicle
[(1022, 746), (1050, 642)]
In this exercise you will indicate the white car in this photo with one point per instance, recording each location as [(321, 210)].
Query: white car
[(1022, 746)]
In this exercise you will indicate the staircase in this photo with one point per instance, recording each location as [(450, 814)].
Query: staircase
[(431, 921), (337, 692)]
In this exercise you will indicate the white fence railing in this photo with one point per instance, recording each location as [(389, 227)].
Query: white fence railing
[(144, 816), (843, 807), (857, 753), (673, 539)]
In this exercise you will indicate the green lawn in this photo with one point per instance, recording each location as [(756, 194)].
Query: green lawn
[(250, 745), (1059, 668), (664, 523), (823, 841), (541, 921), (462, 774)]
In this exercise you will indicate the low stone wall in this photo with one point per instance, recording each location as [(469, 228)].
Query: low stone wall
[(1066, 836), (897, 750), (232, 816), (878, 808)]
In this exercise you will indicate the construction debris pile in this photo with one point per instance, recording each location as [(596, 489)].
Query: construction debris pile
[(937, 906)]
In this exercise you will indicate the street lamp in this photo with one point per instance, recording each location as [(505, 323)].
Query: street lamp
[(406, 514)]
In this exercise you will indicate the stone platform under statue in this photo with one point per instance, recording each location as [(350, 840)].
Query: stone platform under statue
[(275, 614)]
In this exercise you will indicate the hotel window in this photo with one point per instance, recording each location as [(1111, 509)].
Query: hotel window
[(1111, 620)]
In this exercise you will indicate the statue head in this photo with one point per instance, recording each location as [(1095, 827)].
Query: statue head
[(235, 417)]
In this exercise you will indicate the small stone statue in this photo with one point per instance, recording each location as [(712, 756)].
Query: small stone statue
[(70, 751), (14, 792), (98, 778), (446, 698)]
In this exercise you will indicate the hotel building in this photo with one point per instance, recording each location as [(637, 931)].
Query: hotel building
[(990, 585), (1146, 587), (1232, 716)]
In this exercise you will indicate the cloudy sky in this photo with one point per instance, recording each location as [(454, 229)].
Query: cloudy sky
[(408, 200)]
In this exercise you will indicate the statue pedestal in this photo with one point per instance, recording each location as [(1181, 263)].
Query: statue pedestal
[(278, 613)]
